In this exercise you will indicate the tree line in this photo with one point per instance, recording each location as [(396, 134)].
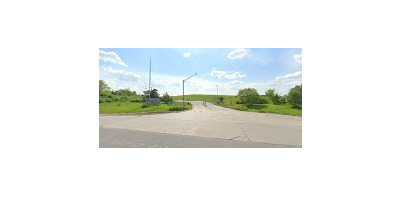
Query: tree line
[(126, 95), (250, 96), (247, 96)]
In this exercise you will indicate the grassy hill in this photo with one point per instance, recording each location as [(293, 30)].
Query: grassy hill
[(229, 102), (202, 97)]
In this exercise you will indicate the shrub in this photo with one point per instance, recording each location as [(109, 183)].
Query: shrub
[(177, 108), (283, 99), (220, 99), (262, 100), (166, 98), (248, 96), (136, 98), (123, 98), (104, 94), (115, 98), (144, 105), (294, 97), (273, 97)]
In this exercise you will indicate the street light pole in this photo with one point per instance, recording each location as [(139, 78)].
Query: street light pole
[(183, 85), (150, 80)]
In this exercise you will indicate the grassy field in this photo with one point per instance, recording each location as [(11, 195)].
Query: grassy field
[(266, 108), (229, 102), (134, 107), (208, 98)]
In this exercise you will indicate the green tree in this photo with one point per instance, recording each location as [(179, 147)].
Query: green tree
[(294, 97), (270, 93), (283, 99), (103, 86), (153, 94), (248, 96), (166, 98), (125, 92), (273, 97)]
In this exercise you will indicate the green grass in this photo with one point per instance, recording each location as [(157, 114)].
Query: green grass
[(208, 98), (229, 102), (133, 107), (266, 108)]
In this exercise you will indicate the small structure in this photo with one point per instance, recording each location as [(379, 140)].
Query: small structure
[(152, 101)]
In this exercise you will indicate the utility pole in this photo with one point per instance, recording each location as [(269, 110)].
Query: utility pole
[(150, 79), (183, 85), (217, 95)]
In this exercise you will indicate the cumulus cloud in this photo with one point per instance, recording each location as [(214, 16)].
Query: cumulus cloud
[(187, 54), (226, 74), (282, 84), (123, 75), (112, 57), (235, 82), (119, 79), (195, 85), (289, 76), (238, 54), (298, 58)]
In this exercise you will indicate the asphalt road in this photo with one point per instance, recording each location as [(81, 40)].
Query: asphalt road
[(203, 126), (121, 138)]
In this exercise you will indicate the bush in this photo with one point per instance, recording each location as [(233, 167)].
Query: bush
[(105, 100), (294, 97), (283, 99), (166, 98), (105, 94), (136, 98), (248, 96), (220, 99), (144, 105), (177, 108), (123, 98), (273, 97), (115, 98), (125, 92)]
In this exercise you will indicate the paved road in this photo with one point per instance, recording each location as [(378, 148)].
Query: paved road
[(202, 121), (121, 138)]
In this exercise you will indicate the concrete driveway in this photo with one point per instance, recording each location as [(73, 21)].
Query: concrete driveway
[(210, 121)]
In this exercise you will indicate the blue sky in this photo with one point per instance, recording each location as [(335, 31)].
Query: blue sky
[(229, 68)]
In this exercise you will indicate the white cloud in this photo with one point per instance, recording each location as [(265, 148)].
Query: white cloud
[(187, 54), (110, 56), (282, 84), (122, 75), (195, 85), (119, 79), (226, 74), (235, 82), (290, 75), (298, 58), (238, 54)]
